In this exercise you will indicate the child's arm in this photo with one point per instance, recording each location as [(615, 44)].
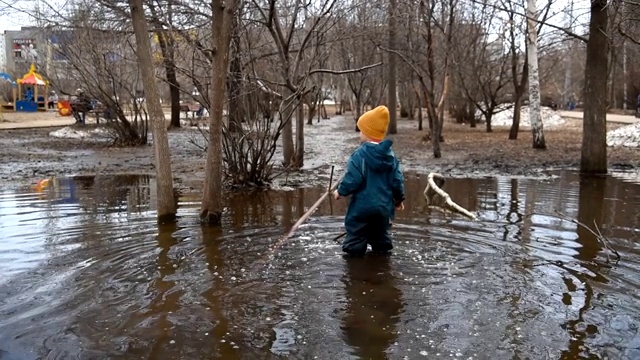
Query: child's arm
[(397, 185), (352, 179)]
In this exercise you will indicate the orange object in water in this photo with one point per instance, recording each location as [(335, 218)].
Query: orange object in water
[(41, 185), (64, 108)]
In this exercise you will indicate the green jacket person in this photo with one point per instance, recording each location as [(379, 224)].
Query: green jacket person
[(375, 183)]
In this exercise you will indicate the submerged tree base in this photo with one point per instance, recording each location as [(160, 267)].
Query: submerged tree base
[(209, 217), (166, 218)]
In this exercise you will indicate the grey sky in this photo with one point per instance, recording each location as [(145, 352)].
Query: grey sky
[(14, 13)]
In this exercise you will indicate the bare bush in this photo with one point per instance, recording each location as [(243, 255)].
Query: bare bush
[(103, 63)]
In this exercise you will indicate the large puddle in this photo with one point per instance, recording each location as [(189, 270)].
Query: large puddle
[(85, 272)]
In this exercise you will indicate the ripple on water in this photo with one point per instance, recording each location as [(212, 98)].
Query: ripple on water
[(99, 278)]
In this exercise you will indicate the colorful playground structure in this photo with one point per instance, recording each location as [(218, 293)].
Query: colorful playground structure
[(29, 93), (6, 80), (32, 92)]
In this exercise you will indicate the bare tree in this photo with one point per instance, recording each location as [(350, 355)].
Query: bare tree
[(392, 71), (356, 50), (482, 65), (534, 81), (101, 61), (222, 28), (518, 77), (166, 199), (594, 137), (167, 43), (292, 37)]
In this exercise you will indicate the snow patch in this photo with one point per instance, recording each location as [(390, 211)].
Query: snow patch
[(328, 143), (74, 133), (504, 116), (626, 136)]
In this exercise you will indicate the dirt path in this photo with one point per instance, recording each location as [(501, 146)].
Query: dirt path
[(29, 155), (612, 118), (18, 120)]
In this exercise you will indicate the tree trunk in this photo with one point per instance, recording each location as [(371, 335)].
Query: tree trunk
[(338, 100), (412, 106), (358, 111), (443, 98), (488, 117), (166, 199), (167, 47), (174, 94), (419, 109), (299, 160), (392, 76), (515, 125), (287, 133), (473, 122), (234, 82), (312, 107), (221, 27), (594, 135), (534, 81), (518, 86)]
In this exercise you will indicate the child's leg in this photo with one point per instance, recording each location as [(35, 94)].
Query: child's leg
[(355, 243), (380, 238)]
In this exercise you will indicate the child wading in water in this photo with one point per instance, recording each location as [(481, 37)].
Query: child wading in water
[(375, 182)]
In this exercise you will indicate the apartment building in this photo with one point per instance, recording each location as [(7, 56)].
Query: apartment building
[(24, 47), (3, 55)]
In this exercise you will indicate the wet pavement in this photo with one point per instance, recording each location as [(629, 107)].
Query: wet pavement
[(85, 272)]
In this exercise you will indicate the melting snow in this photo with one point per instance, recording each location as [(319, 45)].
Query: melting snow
[(73, 133), (626, 136), (504, 116)]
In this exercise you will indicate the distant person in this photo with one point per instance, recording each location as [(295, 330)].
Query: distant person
[(80, 106), (53, 100), (375, 182)]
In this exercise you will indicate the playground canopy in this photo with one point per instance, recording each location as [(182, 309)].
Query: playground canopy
[(32, 78)]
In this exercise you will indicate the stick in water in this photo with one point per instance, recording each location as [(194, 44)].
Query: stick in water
[(305, 216), (435, 181), (331, 178)]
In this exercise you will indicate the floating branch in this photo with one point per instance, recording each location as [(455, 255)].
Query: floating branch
[(598, 235), (434, 188)]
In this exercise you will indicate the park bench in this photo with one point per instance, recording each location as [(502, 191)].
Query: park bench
[(192, 108)]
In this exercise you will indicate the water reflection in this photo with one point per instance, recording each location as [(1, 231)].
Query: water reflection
[(374, 304), (86, 271), (579, 287)]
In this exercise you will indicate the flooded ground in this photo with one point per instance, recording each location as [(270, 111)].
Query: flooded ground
[(466, 153), (85, 272)]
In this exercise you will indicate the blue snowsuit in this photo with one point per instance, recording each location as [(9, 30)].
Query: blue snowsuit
[(375, 181)]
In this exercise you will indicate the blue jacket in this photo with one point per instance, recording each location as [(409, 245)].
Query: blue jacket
[(375, 181)]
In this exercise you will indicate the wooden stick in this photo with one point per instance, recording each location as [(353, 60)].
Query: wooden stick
[(304, 217), (330, 185), (331, 178)]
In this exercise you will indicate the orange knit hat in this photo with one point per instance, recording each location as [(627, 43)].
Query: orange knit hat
[(374, 123)]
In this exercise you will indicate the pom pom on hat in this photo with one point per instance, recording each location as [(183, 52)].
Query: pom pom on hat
[(374, 123)]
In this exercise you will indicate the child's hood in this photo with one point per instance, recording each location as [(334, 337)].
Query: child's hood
[(378, 157)]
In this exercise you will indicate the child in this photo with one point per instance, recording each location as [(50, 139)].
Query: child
[(375, 181)]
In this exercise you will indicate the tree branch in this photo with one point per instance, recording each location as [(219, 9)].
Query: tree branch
[(343, 72), (543, 22)]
